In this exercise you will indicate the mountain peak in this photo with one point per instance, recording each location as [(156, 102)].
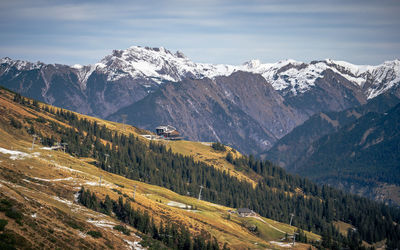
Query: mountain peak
[(146, 49), (395, 62), (152, 65), (252, 63), (21, 64), (5, 60), (179, 54)]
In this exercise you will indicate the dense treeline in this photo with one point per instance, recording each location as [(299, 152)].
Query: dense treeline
[(170, 235), (349, 156), (276, 196), (374, 221), (218, 146)]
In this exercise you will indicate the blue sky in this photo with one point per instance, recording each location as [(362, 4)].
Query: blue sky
[(69, 32)]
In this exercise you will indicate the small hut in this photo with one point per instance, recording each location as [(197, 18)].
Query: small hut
[(244, 212)]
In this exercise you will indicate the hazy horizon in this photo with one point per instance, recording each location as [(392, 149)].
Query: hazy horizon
[(226, 32)]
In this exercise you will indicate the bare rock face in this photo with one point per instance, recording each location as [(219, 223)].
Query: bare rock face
[(257, 98), (217, 109)]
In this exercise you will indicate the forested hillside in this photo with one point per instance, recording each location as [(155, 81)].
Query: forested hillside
[(295, 144), (359, 156), (276, 196), (40, 205)]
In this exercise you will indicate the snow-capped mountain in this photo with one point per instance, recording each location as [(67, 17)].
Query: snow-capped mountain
[(287, 76), (158, 64), (20, 64), (126, 77), (290, 76)]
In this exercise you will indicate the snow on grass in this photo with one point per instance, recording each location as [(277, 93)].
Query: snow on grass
[(92, 183), (281, 244), (11, 184), (96, 183), (69, 203), (102, 223), (15, 155), (65, 168), (35, 154), (32, 182), (177, 204), (77, 208), (82, 235), (51, 180), (215, 205), (181, 205), (134, 245), (76, 196)]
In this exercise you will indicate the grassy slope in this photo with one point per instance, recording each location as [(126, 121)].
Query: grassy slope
[(202, 151), (59, 177)]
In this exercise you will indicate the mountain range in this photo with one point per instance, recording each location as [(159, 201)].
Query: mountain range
[(251, 106), (355, 149), (361, 157)]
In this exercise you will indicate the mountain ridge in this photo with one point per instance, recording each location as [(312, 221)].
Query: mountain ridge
[(311, 150), (160, 63), (360, 157), (126, 77)]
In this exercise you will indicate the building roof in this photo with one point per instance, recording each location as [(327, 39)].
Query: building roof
[(166, 128), (244, 210), (175, 133)]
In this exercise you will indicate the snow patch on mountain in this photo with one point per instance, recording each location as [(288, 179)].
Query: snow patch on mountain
[(354, 69), (386, 76), (298, 77), (158, 65), (288, 76), (20, 64), (84, 72)]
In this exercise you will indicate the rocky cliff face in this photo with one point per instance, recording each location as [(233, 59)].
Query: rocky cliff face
[(258, 110), (241, 109)]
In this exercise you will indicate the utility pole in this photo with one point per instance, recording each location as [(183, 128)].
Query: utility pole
[(294, 238), (106, 155), (134, 192), (201, 188), (105, 163), (64, 145), (100, 181), (123, 121), (33, 142), (291, 218)]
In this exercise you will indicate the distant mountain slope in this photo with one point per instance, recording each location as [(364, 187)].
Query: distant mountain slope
[(360, 157), (242, 109), (293, 145), (125, 77)]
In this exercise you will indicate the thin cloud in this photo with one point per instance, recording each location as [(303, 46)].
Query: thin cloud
[(210, 31)]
